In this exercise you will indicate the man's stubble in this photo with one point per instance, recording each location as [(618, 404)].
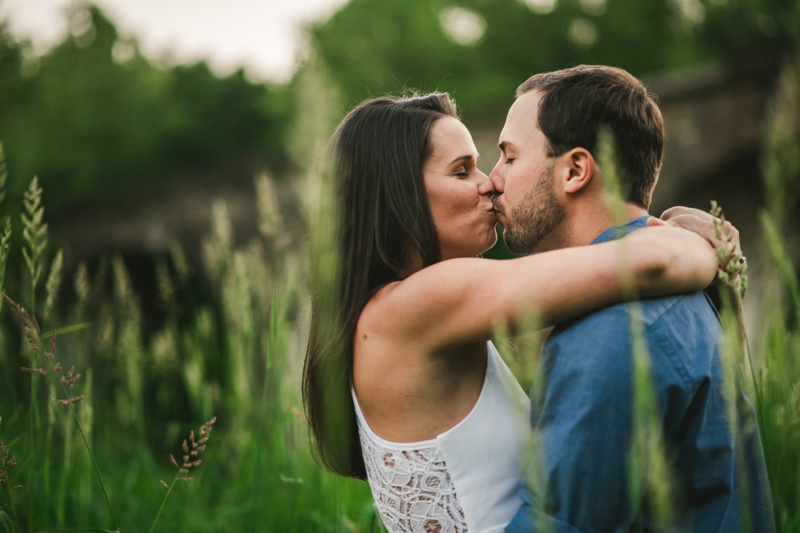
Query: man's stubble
[(537, 216)]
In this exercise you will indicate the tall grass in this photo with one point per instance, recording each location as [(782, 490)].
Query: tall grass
[(238, 356), (777, 381)]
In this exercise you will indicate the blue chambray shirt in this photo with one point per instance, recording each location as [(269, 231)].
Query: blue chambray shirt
[(581, 408)]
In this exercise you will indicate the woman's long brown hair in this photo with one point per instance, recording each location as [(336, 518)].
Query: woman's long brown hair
[(380, 148)]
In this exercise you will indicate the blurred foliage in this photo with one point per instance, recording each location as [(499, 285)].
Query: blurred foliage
[(238, 358), (93, 118), (89, 125), (378, 47)]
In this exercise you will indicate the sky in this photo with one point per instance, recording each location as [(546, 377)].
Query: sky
[(264, 37)]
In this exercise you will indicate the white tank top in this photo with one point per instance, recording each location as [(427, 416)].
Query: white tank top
[(467, 478)]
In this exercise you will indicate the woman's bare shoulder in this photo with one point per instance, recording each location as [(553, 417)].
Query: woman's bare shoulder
[(380, 338), (420, 292), (377, 313)]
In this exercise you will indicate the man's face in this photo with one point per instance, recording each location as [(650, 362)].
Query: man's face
[(526, 201)]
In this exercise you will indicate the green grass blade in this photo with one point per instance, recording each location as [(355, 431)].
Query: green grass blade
[(781, 260), (8, 525), (66, 329), (273, 327), (79, 529), (94, 462)]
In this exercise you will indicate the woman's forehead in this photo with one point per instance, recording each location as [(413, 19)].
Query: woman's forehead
[(451, 140)]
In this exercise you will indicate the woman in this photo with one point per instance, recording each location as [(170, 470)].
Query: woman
[(412, 396)]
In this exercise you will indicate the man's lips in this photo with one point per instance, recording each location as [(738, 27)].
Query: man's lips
[(495, 203)]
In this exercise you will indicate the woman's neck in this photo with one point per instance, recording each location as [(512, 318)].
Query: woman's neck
[(412, 265)]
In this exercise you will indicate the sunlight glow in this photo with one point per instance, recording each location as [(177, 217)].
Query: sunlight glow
[(462, 26), (541, 7), (583, 33)]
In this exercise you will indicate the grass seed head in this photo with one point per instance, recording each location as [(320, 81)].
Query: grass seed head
[(733, 265), (6, 464), (72, 400), (5, 246), (53, 282), (71, 381), (191, 452), (3, 173), (30, 328), (34, 232)]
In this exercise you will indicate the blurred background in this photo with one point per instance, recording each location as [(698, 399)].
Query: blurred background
[(135, 115), (171, 139)]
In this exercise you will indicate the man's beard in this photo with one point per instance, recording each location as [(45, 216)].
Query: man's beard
[(536, 217)]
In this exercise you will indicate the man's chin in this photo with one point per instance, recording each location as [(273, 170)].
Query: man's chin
[(515, 243)]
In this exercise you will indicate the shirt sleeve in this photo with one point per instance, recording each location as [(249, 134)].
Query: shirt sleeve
[(582, 419)]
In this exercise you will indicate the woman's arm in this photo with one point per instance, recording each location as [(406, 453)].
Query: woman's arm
[(460, 300)]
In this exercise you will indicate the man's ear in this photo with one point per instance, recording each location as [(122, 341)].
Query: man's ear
[(580, 165)]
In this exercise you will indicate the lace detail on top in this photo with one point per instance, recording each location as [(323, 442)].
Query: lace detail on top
[(411, 487)]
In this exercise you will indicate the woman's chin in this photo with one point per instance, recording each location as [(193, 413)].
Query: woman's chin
[(492, 240), (490, 244)]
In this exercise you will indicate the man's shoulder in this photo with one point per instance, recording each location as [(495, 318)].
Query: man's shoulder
[(652, 312), (681, 334)]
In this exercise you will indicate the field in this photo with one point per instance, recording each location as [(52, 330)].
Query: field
[(94, 452)]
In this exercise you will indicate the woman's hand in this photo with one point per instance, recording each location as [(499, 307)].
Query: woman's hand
[(705, 225)]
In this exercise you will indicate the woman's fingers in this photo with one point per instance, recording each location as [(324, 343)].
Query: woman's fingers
[(721, 236), (673, 211)]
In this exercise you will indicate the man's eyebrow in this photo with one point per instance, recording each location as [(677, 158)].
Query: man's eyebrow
[(465, 158), (505, 145)]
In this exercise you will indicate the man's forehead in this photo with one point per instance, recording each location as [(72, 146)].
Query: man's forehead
[(522, 119)]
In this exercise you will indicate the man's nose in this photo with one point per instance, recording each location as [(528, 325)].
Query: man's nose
[(497, 180)]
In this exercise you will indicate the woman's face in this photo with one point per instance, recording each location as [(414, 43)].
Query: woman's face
[(458, 193)]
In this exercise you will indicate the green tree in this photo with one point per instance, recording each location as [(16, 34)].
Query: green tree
[(378, 47), (90, 126)]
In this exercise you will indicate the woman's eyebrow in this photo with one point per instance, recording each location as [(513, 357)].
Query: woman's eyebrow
[(465, 158)]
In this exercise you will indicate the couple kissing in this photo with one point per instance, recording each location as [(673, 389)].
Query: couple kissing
[(415, 398)]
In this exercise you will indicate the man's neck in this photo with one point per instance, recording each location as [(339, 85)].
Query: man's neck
[(587, 222)]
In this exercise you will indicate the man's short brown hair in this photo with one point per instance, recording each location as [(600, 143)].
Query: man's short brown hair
[(578, 101)]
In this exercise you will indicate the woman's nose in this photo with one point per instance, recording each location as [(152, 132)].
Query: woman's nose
[(485, 187)]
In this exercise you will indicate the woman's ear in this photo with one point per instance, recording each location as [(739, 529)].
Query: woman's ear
[(580, 164)]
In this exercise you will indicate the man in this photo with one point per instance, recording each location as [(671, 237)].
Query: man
[(550, 195)]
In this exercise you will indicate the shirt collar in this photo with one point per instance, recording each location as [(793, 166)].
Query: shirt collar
[(615, 232)]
